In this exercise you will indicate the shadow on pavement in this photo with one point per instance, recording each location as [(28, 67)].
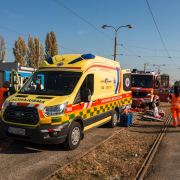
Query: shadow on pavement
[(10, 146)]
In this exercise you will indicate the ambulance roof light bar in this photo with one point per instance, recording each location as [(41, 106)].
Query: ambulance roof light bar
[(84, 56)]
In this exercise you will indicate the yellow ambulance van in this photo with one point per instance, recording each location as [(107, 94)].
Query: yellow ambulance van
[(67, 96)]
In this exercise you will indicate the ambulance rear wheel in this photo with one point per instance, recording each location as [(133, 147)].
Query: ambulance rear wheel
[(74, 136), (114, 120)]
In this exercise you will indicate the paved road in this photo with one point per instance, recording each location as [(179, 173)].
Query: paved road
[(166, 163), (24, 160)]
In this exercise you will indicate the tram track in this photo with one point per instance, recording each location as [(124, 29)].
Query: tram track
[(142, 171), (85, 153), (145, 165), (136, 128)]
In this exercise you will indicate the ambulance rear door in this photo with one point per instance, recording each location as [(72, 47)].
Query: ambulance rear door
[(126, 89)]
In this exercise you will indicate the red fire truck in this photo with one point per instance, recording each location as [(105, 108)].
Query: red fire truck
[(148, 87)]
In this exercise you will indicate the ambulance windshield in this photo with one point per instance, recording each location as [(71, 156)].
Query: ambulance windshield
[(58, 83), (142, 81)]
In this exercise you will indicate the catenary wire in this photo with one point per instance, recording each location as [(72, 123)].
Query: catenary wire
[(95, 27), (159, 33), (40, 40)]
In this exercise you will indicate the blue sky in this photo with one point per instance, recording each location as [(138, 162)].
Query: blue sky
[(82, 33)]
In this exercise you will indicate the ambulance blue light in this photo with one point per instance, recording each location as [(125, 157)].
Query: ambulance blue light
[(84, 56), (49, 59), (88, 56), (76, 60)]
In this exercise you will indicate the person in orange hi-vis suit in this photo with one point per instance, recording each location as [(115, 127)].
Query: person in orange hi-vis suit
[(175, 105), (3, 94)]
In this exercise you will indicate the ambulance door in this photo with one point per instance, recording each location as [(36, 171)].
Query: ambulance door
[(86, 108), (126, 89)]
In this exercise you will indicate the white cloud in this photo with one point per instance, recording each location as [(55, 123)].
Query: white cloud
[(81, 32)]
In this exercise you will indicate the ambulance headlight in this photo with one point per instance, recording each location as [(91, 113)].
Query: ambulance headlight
[(55, 110), (4, 106), (149, 94)]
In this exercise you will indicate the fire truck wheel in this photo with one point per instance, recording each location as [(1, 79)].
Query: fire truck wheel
[(150, 105), (158, 102), (74, 136), (133, 106), (114, 120)]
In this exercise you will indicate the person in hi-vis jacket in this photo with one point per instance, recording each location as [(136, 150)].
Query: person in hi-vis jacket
[(4, 93), (174, 99)]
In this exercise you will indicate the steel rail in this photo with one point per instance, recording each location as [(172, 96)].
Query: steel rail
[(141, 173), (87, 152)]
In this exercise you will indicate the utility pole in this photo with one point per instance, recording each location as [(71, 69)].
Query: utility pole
[(159, 67), (145, 66)]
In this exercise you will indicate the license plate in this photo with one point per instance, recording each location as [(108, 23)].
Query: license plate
[(18, 131)]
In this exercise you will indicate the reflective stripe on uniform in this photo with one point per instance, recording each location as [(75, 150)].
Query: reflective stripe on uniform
[(174, 120), (175, 101)]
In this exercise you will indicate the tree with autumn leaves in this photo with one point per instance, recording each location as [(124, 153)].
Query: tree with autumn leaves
[(35, 52), (34, 55), (20, 51), (51, 44)]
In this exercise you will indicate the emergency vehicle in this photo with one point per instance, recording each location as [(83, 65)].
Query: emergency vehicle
[(72, 94), (21, 73), (148, 87)]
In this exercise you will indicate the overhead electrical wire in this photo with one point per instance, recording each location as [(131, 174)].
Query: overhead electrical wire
[(106, 35), (155, 56), (95, 28), (83, 19), (110, 37), (147, 56), (160, 33), (40, 40), (157, 28), (13, 31), (134, 54), (129, 46), (146, 48)]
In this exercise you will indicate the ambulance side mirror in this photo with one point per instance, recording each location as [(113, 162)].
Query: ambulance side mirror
[(86, 95)]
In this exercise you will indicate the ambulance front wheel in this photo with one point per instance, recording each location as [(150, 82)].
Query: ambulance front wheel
[(74, 136), (114, 120)]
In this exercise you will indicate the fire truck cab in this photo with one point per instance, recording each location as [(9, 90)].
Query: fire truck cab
[(148, 87)]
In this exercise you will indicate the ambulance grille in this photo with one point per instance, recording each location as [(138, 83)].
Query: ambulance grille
[(139, 93), (22, 115)]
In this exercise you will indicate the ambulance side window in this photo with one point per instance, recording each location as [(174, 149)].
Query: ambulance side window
[(87, 84), (127, 82)]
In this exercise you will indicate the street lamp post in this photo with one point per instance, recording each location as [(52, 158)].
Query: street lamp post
[(158, 67), (104, 26)]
